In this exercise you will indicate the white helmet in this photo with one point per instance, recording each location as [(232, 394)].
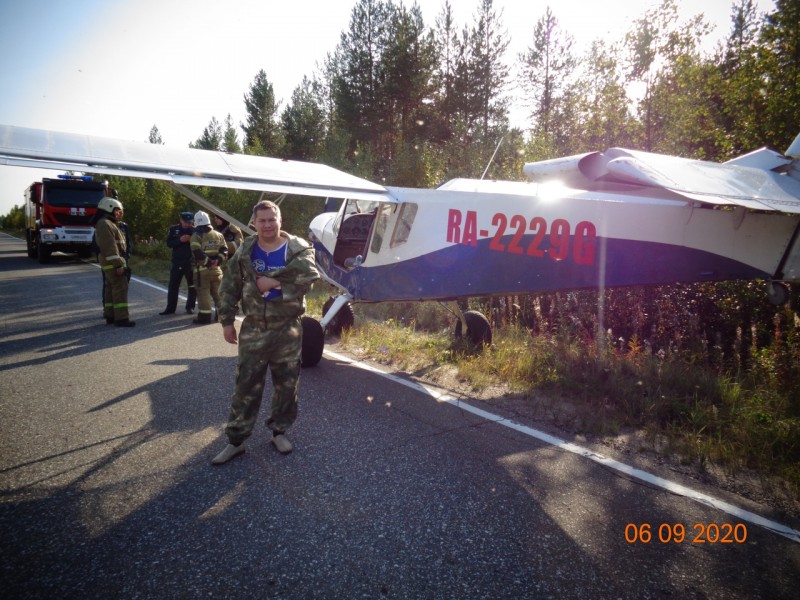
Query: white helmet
[(108, 204), (201, 218)]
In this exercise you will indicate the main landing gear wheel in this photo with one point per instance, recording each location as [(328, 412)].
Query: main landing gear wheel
[(479, 332), (313, 342), (343, 320), (778, 293)]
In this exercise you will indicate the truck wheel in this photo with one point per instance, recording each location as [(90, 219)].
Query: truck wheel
[(44, 255), (31, 247)]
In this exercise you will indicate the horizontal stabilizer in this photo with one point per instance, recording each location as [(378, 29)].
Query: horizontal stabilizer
[(758, 181)]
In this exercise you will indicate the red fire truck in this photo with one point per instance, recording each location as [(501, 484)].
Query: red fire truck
[(59, 215)]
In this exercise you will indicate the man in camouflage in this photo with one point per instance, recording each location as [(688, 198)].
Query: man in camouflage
[(232, 234), (268, 277)]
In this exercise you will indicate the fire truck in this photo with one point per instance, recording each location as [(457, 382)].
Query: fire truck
[(60, 215)]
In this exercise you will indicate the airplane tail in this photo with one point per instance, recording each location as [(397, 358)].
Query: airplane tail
[(794, 149)]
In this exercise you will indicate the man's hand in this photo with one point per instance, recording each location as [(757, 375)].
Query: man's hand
[(229, 333), (265, 284), (185, 238), (120, 271)]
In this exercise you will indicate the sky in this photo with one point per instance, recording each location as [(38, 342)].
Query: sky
[(115, 68)]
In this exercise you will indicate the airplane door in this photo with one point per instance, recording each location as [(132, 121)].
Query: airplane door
[(354, 233), (362, 231)]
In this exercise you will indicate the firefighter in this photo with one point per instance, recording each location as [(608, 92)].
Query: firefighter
[(232, 234), (113, 249), (209, 252)]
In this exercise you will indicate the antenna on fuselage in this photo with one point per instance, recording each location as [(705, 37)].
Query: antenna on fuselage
[(491, 159)]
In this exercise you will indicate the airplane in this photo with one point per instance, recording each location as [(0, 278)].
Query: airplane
[(590, 221)]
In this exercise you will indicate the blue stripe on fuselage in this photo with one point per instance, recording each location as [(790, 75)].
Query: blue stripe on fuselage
[(460, 270)]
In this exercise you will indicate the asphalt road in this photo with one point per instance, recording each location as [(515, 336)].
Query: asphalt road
[(106, 490)]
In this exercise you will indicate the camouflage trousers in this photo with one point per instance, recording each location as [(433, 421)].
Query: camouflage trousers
[(115, 294), (265, 345), (208, 289)]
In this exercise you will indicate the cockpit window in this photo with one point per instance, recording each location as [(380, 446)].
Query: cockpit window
[(405, 220), (384, 213)]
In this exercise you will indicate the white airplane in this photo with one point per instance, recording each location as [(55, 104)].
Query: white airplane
[(591, 221)]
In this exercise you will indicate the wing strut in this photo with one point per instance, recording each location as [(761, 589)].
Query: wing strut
[(208, 206)]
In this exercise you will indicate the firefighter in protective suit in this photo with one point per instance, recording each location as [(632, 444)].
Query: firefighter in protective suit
[(113, 249), (209, 252)]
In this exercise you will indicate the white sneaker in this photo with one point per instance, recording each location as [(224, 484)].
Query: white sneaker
[(228, 453), (282, 443)]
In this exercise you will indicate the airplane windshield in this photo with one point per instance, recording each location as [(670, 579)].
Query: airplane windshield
[(360, 207)]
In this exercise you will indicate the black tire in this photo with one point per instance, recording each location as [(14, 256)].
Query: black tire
[(32, 253), (343, 320), (44, 254), (479, 332), (313, 342), (778, 293)]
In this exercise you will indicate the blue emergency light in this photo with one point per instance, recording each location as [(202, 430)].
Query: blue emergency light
[(75, 177)]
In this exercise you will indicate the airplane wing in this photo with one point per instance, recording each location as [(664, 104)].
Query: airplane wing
[(759, 182), (26, 147)]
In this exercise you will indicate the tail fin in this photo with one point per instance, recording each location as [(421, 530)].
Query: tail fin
[(794, 150)]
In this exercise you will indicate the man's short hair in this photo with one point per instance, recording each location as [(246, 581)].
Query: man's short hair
[(266, 205)]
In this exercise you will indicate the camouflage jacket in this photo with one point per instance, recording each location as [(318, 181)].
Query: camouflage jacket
[(239, 283), (233, 236)]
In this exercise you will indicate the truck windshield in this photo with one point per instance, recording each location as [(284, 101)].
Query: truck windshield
[(82, 196)]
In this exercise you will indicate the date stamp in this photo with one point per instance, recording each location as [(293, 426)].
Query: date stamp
[(678, 533)]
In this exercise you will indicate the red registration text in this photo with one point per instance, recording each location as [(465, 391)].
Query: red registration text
[(555, 240)]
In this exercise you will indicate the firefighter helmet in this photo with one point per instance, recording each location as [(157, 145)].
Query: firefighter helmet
[(108, 204), (201, 218)]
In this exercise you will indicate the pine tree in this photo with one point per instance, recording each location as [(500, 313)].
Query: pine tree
[(780, 43), (664, 56), (262, 131), (155, 136), (211, 138), (230, 138), (545, 71), (303, 123), (601, 102)]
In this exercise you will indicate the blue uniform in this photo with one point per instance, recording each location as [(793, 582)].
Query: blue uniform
[(181, 267)]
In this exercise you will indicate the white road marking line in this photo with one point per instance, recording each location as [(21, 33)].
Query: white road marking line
[(654, 480)]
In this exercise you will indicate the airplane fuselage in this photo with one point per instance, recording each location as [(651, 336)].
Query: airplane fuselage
[(478, 238)]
